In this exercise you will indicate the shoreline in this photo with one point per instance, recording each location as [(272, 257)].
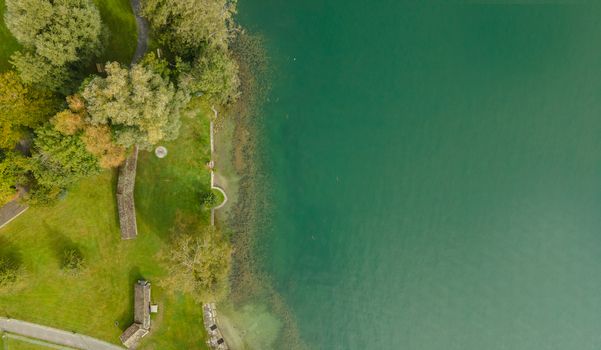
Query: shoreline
[(254, 316)]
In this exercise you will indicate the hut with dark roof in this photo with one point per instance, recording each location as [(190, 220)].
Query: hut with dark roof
[(141, 326)]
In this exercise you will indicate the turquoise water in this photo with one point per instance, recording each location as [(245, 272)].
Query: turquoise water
[(436, 173)]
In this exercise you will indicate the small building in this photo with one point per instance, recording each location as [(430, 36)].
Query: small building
[(141, 326), (133, 335)]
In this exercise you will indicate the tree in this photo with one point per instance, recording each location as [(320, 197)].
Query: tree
[(99, 142), (37, 70), (21, 107), (54, 33), (198, 263), (139, 105), (57, 162), (97, 138), (13, 168), (62, 31), (68, 122), (183, 25), (214, 74)]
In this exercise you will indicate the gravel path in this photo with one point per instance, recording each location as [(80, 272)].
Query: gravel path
[(142, 25), (53, 335)]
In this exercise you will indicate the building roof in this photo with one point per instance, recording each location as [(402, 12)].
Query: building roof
[(142, 304), (141, 326), (132, 335)]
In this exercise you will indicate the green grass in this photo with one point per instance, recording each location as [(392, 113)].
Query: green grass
[(118, 17), (93, 302), (17, 342), (8, 44)]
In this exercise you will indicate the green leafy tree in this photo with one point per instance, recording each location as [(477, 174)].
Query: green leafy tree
[(37, 70), (63, 31), (183, 25), (58, 161), (21, 107), (198, 264), (214, 74), (139, 105), (13, 168), (54, 33)]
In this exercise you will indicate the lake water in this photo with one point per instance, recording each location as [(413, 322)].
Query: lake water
[(436, 172)]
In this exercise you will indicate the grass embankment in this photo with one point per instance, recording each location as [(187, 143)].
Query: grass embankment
[(95, 301)]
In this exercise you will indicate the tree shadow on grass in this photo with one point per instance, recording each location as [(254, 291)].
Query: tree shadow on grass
[(11, 269), (61, 244), (127, 318), (10, 253), (114, 180)]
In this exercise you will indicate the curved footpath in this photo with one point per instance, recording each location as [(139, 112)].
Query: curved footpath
[(142, 27), (53, 335)]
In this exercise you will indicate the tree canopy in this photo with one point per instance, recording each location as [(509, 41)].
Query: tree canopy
[(62, 31), (183, 25), (98, 139), (214, 74), (139, 105), (198, 263), (58, 161), (21, 107), (12, 170), (54, 33)]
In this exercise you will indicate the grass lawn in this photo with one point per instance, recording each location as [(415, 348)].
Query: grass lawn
[(117, 15), (99, 303), (8, 44), (15, 342)]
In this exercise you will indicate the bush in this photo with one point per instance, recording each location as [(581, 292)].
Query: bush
[(73, 261), (208, 199), (9, 271)]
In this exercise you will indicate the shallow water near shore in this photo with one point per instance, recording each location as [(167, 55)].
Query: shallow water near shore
[(435, 173)]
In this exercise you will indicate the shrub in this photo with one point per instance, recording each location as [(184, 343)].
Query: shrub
[(73, 261), (9, 271)]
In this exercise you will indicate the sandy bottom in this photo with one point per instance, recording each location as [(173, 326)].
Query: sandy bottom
[(251, 327)]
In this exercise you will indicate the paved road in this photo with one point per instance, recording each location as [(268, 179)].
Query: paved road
[(10, 211), (54, 335)]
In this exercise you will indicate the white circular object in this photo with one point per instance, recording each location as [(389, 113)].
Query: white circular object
[(160, 152)]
